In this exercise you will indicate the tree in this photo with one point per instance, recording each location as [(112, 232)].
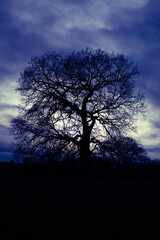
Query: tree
[(74, 101), (42, 155), (123, 151)]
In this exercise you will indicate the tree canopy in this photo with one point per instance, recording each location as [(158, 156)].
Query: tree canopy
[(124, 151), (75, 101)]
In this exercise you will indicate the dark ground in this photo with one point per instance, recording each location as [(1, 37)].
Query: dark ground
[(38, 204)]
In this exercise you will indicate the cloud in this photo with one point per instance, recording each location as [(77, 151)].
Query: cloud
[(153, 149), (3, 128), (136, 32), (5, 148), (17, 45), (7, 112), (6, 156), (5, 144), (4, 134), (153, 136), (153, 152), (6, 152), (156, 123), (8, 106)]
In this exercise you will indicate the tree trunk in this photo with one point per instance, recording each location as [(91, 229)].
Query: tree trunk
[(85, 156)]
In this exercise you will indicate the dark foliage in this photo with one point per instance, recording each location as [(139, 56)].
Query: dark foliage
[(123, 151)]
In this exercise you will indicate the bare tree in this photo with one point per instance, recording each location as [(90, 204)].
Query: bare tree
[(75, 100)]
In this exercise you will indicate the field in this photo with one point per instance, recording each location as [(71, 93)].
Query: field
[(41, 205)]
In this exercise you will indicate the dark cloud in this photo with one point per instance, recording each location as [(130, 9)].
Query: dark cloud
[(155, 124), (30, 28), (21, 37), (6, 156), (3, 131), (4, 134), (153, 136), (136, 32), (3, 128), (8, 106), (19, 45), (6, 152), (73, 2), (5, 148), (153, 149), (5, 144)]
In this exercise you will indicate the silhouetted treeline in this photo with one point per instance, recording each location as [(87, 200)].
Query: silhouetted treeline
[(62, 171)]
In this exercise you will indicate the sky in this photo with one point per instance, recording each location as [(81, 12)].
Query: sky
[(32, 28)]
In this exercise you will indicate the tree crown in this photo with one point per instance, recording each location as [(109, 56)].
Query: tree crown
[(89, 94)]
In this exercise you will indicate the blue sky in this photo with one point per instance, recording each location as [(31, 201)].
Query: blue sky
[(30, 28)]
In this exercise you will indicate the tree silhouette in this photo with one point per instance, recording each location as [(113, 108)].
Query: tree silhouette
[(123, 151), (74, 101)]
